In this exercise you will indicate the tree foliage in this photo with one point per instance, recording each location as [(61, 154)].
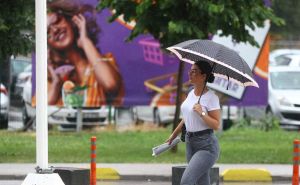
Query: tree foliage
[(289, 11), (172, 22), (16, 27)]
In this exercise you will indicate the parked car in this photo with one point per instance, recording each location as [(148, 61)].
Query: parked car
[(4, 107), (28, 111), (161, 115), (284, 90), (292, 60), (66, 117), (22, 78), (282, 57), (18, 65)]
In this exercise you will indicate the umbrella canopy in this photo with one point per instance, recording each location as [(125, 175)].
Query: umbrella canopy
[(226, 62)]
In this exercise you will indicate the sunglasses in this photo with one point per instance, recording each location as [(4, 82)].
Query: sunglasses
[(193, 71), (54, 19)]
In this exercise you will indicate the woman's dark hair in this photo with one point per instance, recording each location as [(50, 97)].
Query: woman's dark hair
[(206, 68), (69, 8)]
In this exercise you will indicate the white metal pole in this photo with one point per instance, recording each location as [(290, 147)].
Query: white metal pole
[(44, 175), (41, 85)]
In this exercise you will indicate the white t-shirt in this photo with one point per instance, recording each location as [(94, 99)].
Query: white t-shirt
[(193, 122)]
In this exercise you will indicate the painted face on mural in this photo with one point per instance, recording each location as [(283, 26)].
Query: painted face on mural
[(60, 31)]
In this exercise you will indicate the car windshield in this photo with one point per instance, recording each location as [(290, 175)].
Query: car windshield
[(18, 66), (285, 80), (28, 68), (282, 60)]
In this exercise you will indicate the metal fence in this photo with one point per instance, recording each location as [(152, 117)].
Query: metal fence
[(289, 44)]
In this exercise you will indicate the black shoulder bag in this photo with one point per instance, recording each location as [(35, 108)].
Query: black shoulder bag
[(183, 133), (183, 129)]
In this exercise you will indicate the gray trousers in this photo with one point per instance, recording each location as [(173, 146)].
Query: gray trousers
[(201, 152)]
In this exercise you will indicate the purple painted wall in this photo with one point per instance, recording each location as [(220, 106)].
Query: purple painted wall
[(141, 60)]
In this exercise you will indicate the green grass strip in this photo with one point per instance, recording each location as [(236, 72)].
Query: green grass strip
[(237, 146)]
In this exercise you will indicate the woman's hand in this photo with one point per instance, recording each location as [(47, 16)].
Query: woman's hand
[(51, 72), (197, 107), (171, 138), (55, 87), (175, 132), (54, 77), (80, 22), (60, 74)]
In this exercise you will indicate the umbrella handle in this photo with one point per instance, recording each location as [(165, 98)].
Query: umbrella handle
[(228, 82), (202, 90), (207, 77)]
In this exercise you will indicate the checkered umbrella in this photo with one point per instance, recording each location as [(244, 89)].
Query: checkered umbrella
[(226, 62)]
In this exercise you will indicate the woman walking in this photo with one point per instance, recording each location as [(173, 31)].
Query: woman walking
[(201, 115)]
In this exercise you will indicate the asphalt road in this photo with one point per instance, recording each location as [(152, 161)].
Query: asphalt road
[(18, 182)]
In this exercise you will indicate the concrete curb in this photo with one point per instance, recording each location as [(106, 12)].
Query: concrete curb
[(107, 174), (244, 175), (281, 179), (146, 177)]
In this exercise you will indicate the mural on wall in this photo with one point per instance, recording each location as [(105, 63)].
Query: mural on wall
[(90, 64)]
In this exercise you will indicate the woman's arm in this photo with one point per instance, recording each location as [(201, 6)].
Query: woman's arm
[(175, 132), (106, 74), (54, 87), (212, 118)]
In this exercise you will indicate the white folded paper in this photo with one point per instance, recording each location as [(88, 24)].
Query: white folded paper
[(163, 147)]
